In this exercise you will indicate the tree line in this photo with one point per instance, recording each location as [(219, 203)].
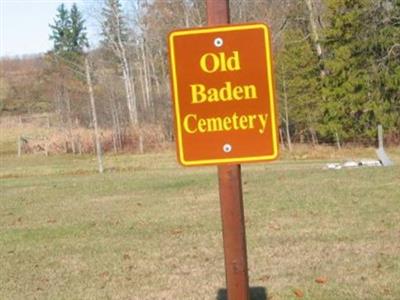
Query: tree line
[(337, 65)]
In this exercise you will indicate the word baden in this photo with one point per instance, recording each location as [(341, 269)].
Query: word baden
[(200, 93)]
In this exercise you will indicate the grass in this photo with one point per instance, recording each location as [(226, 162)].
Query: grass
[(149, 229)]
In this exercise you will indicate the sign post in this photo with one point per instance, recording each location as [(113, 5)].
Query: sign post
[(225, 115), (231, 199), (233, 230)]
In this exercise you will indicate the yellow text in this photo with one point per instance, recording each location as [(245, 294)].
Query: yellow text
[(227, 92), (193, 124)]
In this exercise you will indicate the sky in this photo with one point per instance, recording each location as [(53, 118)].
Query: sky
[(24, 25)]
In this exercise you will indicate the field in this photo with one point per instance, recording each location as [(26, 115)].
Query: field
[(150, 229)]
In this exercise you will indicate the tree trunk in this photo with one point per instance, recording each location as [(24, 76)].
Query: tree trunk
[(69, 122), (129, 87), (314, 33), (115, 126), (314, 137), (141, 77), (130, 94), (121, 130), (117, 45), (154, 75), (282, 141), (287, 127), (337, 141), (145, 76), (78, 137), (141, 147), (94, 116)]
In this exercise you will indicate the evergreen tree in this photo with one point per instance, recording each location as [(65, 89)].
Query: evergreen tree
[(299, 70), (299, 73), (68, 32), (61, 30), (78, 39), (66, 60), (383, 41), (349, 107)]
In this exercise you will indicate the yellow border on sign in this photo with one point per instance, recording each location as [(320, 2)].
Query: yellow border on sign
[(270, 86)]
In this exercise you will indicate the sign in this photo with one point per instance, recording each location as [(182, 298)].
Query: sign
[(223, 95)]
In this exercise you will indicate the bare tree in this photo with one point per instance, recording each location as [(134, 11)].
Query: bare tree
[(94, 116), (115, 37)]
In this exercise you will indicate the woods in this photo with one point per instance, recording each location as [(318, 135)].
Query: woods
[(337, 66)]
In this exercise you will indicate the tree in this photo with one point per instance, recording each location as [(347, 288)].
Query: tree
[(77, 33), (94, 116), (354, 104), (113, 26), (384, 46), (61, 30), (115, 37), (300, 85), (70, 41), (314, 33), (68, 32)]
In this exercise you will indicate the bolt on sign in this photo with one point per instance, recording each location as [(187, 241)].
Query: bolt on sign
[(223, 94)]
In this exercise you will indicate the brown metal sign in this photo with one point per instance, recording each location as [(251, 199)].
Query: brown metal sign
[(223, 94)]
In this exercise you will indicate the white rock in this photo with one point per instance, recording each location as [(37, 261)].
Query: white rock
[(351, 164), (334, 166), (370, 163)]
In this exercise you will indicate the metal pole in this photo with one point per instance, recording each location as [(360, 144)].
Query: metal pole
[(231, 199)]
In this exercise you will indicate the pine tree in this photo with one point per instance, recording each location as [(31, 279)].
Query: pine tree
[(78, 39), (69, 32), (298, 71), (349, 108), (384, 46), (61, 30), (66, 60)]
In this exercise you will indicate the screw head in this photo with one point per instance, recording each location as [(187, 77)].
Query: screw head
[(218, 42), (227, 148)]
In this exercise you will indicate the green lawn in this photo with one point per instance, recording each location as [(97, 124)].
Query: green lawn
[(150, 229)]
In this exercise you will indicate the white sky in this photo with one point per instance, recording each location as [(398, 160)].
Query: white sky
[(24, 25)]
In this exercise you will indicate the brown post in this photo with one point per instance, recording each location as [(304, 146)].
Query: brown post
[(233, 230), (230, 191)]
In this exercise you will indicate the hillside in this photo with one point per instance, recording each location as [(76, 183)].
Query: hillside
[(24, 87)]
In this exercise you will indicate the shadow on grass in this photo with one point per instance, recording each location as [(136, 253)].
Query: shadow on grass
[(256, 293)]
